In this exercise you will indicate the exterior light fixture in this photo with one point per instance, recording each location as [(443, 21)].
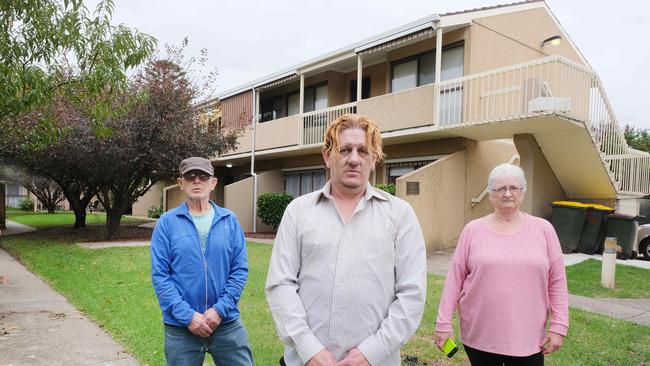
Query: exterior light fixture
[(553, 41), (229, 165)]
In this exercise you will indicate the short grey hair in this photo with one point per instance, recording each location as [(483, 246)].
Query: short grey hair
[(502, 170)]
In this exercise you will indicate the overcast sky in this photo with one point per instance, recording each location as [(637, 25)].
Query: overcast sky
[(248, 39)]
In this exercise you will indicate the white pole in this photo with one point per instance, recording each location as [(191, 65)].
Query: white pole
[(359, 77), (608, 271), (254, 121), (438, 68)]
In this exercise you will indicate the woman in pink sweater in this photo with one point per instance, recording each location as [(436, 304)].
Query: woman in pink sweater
[(507, 281)]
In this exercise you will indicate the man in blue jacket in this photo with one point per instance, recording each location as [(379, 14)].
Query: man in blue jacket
[(199, 268)]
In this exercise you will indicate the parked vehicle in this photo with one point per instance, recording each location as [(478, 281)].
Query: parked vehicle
[(643, 240)]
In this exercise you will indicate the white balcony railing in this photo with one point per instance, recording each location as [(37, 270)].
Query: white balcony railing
[(552, 85), (315, 123)]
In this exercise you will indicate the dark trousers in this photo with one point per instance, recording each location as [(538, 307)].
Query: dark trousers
[(481, 358)]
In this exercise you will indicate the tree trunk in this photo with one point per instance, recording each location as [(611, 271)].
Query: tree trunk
[(50, 209), (113, 220), (79, 216)]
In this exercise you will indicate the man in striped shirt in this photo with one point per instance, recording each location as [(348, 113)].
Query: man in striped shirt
[(347, 277)]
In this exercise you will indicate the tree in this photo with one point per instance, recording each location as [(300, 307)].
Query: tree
[(46, 191), (50, 51), (637, 138), (149, 141), (49, 45)]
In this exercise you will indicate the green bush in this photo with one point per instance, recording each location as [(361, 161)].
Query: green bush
[(154, 212), (271, 206), (26, 204), (390, 188)]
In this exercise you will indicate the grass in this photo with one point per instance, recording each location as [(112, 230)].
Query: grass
[(631, 282), (43, 220), (113, 287)]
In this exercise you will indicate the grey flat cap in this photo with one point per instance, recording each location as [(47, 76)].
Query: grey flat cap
[(196, 163)]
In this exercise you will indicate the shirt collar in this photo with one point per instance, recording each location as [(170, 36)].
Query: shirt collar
[(370, 192)]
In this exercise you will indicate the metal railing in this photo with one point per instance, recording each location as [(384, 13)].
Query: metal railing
[(315, 123), (551, 85)]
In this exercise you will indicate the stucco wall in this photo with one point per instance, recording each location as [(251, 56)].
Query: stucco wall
[(439, 204), (174, 198), (543, 185), (513, 38), (151, 198), (405, 109), (237, 197)]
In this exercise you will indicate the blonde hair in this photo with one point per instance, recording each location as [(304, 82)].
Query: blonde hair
[(373, 135)]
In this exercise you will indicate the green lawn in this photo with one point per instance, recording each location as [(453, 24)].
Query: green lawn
[(631, 282), (113, 287), (43, 220)]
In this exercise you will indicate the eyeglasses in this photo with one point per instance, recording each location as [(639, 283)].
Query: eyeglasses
[(504, 189), (190, 176)]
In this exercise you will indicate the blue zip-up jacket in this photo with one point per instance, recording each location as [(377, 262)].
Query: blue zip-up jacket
[(184, 280)]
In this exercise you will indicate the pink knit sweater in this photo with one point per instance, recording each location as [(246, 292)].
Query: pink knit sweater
[(504, 286)]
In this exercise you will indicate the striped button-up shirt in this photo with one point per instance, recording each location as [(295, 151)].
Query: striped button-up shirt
[(338, 285)]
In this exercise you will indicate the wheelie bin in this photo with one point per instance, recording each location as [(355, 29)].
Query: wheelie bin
[(593, 231), (568, 218), (623, 227)]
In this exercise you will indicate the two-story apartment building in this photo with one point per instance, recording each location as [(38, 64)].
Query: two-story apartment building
[(454, 95)]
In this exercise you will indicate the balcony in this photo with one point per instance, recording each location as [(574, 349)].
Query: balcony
[(486, 101)]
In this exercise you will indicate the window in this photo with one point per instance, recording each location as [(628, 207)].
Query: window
[(365, 89), (299, 182), (293, 103), (396, 170), (420, 69), (271, 108), (405, 76), (315, 99)]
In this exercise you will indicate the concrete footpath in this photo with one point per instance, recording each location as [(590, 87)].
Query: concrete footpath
[(38, 326)]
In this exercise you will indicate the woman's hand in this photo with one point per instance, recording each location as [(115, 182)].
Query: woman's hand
[(441, 337), (552, 342)]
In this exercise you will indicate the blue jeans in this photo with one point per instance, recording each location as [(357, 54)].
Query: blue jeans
[(228, 345)]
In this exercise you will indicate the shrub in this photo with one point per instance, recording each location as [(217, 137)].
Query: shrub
[(26, 204), (271, 206), (390, 188), (154, 212)]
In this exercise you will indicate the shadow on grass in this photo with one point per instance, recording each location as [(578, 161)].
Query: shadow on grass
[(90, 233)]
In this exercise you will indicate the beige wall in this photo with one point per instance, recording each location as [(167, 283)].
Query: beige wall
[(444, 205), (437, 206), (151, 198), (418, 149), (278, 133), (543, 185), (513, 38), (405, 109), (174, 198), (238, 197)]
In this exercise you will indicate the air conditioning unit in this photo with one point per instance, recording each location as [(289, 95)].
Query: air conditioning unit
[(549, 104)]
